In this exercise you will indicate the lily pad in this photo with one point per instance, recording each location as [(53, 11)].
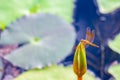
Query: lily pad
[(10, 12), (62, 8), (53, 73), (115, 71), (107, 6), (115, 44), (47, 39)]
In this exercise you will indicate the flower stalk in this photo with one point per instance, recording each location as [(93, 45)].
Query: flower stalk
[(80, 62)]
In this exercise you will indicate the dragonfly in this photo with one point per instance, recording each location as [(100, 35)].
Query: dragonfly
[(79, 61)]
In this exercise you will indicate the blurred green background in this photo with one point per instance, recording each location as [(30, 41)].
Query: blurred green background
[(12, 11)]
